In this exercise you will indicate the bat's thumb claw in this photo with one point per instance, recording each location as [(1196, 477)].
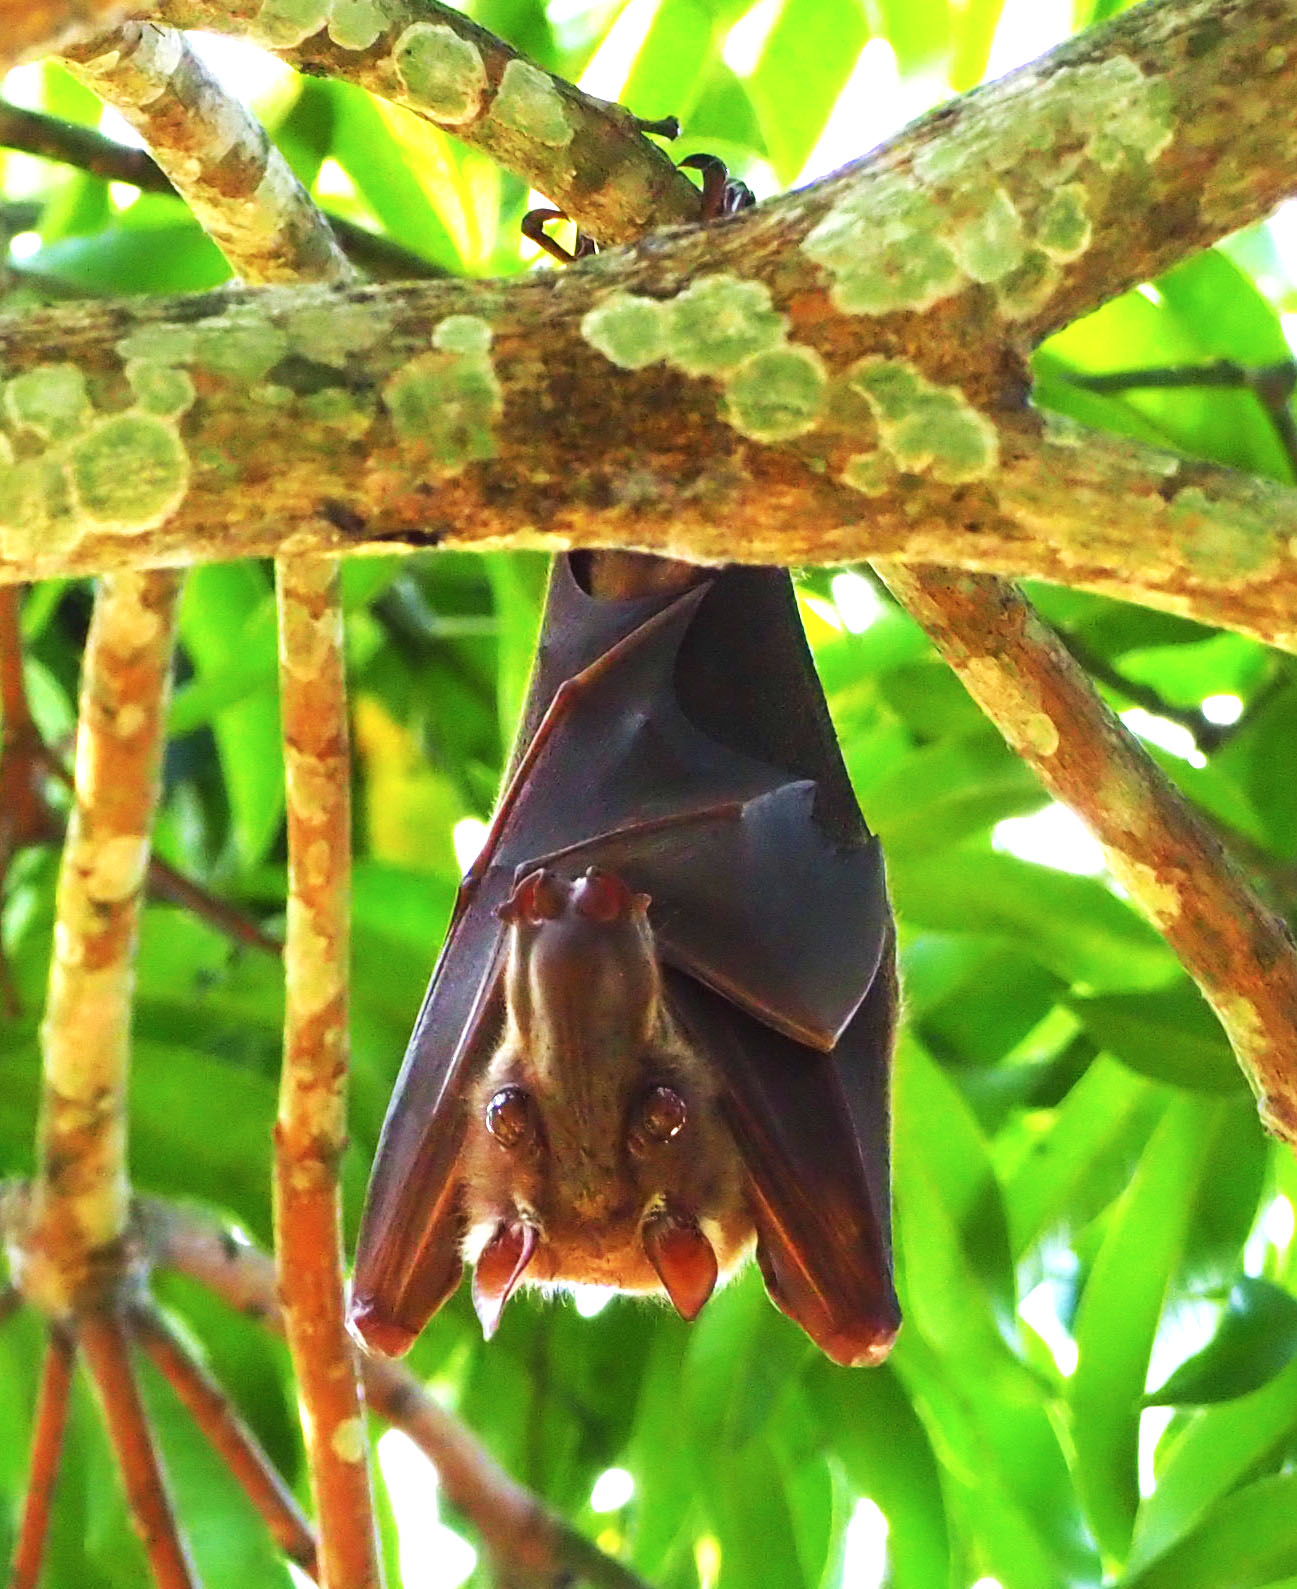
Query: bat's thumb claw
[(376, 1332), (684, 1260), (499, 1268)]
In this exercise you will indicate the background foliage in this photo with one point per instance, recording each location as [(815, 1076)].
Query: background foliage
[(1097, 1377)]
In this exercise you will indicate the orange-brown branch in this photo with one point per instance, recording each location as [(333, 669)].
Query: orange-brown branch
[(107, 1355), (43, 1468), (213, 1412), (310, 1132)]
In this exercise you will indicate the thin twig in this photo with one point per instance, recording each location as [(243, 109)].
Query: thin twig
[(1271, 384), (1173, 866), (34, 132), (43, 1468), (214, 1413), (513, 1525), (104, 1346)]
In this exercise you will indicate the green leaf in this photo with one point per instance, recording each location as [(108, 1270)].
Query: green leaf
[(1084, 1157), (1119, 1313), (1169, 1035), (1072, 925), (1247, 1540), (671, 67), (1255, 1340), (795, 53), (946, 792), (870, 1423), (227, 617)]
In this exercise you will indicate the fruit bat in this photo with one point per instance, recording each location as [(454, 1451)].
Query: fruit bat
[(660, 1028)]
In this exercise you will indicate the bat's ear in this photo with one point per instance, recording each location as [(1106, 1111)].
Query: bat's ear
[(685, 1262), (404, 1276), (500, 1266)]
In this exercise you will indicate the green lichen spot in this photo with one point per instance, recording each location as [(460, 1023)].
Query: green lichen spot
[(159, 388), (777, 394), (462, 333), (245, 346), (22, 495), (449, 403), (130, 471), (718, 322), (870, 472), (286, 23), (162, 344), (991, 244), (339, 410), (927, 429), (1130, 115), (331, 328), (51, 400), (1028, 289), (528, 102), (1063, 228), (628, 330), (355, 24), (1224, 540), (442, 74), (883, 246)]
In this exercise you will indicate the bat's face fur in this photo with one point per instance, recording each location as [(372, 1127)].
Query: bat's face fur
[(596, 1150)]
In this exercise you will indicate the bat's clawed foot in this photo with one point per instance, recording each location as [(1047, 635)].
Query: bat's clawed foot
[(722, 194), (533, 226), (685, 1262)]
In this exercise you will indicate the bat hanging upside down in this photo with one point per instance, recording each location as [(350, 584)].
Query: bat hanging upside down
[(659, 1032)]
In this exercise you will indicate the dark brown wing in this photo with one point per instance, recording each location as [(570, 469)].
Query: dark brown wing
[(653, 756)]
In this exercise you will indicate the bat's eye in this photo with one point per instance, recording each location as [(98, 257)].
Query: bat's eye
[(509, 1117), (662, 1114)]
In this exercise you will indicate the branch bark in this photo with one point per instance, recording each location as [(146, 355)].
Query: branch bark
[(515, 1527), (246, 198), (81, 1197), (870, 401), (43, 1467)]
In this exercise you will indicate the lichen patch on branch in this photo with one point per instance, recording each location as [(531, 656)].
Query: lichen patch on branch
[(442, 74), (1023, 187)]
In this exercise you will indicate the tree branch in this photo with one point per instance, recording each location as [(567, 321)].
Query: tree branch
[(81, 1194), (106, 1351), (637, 429), (214, 1414), (1171, 863), (43, 1467), (33, 132), (247, 199), (34, 27), (514, 1526)]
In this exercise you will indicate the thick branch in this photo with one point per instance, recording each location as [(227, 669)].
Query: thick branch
[(31, 27), (80, 1205), (515, 1527), (1171, 863)]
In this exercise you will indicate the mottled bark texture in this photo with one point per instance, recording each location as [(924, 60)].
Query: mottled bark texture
[(840, 370), (246, 198), (80, 1204)]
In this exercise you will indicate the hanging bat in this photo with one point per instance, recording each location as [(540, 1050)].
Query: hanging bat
[(660, 1028)]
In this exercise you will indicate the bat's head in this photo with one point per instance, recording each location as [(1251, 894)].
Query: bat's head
[(596, 1151)]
